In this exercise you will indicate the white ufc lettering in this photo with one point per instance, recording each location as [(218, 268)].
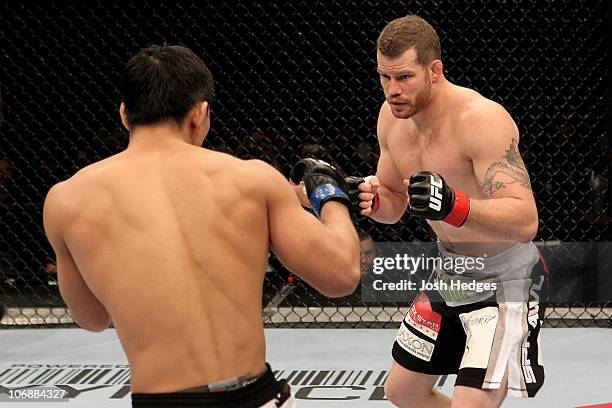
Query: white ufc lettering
[(435, 198)]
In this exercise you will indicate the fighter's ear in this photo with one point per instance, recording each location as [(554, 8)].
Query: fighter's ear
[(436, 70), (205, 110), (123, 116), (199, 113)]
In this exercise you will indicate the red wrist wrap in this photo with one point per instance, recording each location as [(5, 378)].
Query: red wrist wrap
[(375, 203), (460, 210)]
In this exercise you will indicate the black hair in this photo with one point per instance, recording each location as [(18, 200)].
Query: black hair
[(164, 82)]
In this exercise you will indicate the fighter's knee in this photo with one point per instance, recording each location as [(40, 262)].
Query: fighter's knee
[(391, 391), (398, 395)]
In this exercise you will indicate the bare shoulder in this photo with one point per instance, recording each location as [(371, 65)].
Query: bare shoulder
[(385, 122), (71, 187), (60, 204), (60, 191), (68, 194), (478, 111), (219, 159), (384, 113), (251, 176), (264, 172), (235, 165), (483, 123), (88, 175)]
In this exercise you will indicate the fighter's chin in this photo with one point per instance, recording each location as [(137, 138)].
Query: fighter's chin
[(404, 112)]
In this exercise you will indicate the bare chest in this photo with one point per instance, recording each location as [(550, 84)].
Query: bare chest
[(436, 151)]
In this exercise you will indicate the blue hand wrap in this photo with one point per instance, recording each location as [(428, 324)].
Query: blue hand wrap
[(322, 194)]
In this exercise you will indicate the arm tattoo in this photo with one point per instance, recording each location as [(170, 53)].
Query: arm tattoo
[(512, 167)]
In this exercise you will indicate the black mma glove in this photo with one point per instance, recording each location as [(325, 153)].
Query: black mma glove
[(354, 191), (432, 198), (322, 181)]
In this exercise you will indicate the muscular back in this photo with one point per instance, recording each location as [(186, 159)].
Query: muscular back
[(174, 245)]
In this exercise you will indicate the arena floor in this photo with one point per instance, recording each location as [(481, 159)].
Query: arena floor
[(326, 367)]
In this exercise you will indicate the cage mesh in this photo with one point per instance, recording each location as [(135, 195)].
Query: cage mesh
[(298, 79)]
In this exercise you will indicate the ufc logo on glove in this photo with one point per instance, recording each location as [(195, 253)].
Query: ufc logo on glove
[(435, 200)]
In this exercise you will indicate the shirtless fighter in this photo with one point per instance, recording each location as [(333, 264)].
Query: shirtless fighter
[(170, 241), (458, 153)]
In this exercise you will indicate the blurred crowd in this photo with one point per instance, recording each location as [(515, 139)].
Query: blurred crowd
[(582, 193)]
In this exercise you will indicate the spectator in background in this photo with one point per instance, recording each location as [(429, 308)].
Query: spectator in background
[(50, 266), (223, 148), (565, 135), (1, 107), (6, 207), (251, 146), (319, 151), (313, 149), (232, 135), (368, 251), (256, 146), (368, 158), (5, 176), (557, 175), (598, 182), (567, 148)]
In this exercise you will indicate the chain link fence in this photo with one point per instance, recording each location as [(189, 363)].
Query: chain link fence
[(298, 79)]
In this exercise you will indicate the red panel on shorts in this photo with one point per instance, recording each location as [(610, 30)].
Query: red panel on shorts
[(423, 318)]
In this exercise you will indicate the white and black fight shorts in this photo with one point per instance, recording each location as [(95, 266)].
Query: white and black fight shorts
[(479, 341)]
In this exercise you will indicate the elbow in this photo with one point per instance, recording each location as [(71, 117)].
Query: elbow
[(338, 266), (92, 327), (342, 289), (348, 279), (94, 324), (348, 286)]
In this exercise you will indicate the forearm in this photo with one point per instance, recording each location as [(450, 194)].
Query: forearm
[(509, 219), (87, 312), (328, 257), (336, 218), (392, 205), (338, 256)]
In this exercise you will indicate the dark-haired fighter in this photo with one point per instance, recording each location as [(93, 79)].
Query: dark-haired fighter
[(170, 241)]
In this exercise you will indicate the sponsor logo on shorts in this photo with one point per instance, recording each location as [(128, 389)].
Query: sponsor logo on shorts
[(472, 320), (413, 344), (479, 326), (533, 315), (528, 373), (422, 318), (533, 319)]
